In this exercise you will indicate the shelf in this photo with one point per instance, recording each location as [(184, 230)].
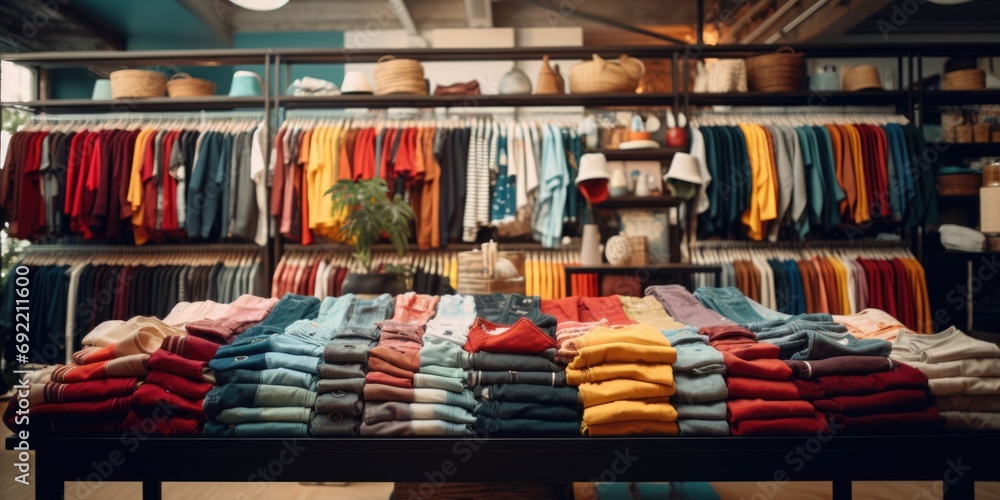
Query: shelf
[(429, 101), (632, 201), (974, 150), (127, 105), (960, 97), (659, 154), (610, 269), (802, 98), (133, 58), (340, 56)]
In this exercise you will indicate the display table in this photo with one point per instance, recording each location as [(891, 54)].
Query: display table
[(957, 459)]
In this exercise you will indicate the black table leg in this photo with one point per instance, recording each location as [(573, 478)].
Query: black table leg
[(152, 489), (841, 489), (48, 478), (963, 489)]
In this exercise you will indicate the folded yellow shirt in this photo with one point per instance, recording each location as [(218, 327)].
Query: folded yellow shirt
[(658, 373), (631, 427), (623, 411), (621, 352), (599, 393), (648, 310), (640, 334)]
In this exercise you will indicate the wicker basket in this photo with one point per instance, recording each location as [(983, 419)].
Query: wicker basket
[(993, 243), (599, 75), (862, 77), (399, 76), (965, 79), (963, 134), (182, 85), (981, 132), (638, 251), (959, 184), (783, 71), (137, 84)]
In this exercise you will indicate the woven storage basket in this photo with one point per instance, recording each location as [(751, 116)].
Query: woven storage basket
[(137, 84), (399, 76), (981, 132), (965, 79), (963, 134), (182, 85), (638, 251), (959, 184), (599, 75), (862, 77), (993, 243), (783, 71)]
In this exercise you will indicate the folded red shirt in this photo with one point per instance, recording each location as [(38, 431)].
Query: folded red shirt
[(902, 377), (564, 310), (407, 359), (135, 365), (190, 347), (593, 309), (895, 401), (386, 379), (180, 385), (175, 363), (155, 425), (753, 388), (803, 426), (840, 365), (93, 390), (111, 409), (748, 409), (915, 422), (381, 365), (771, 369), (523, 337), (149, 397)]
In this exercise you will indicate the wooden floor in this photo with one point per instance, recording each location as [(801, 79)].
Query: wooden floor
[(11, 490)]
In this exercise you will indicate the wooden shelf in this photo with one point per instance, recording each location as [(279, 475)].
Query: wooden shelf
[(802, 98), (954, 150), (960, 97), (632, 201), (128, 105), (429, 101), (658, 154)]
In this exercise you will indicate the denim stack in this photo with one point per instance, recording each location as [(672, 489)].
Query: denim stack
[(438, 403), (266, 378), (345, 361), (521, 390), (700, 400)]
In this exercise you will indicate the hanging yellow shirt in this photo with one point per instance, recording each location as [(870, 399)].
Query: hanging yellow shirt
[(763, 200), (862, 214), (134, 196)]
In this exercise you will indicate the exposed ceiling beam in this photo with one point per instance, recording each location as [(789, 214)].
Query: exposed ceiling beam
[(480, 13), (799, 21), (405, 19), (215, 14), (560, 10), (33, 25)]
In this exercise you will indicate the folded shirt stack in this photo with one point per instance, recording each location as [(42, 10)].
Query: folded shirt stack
[(684, 307), (351, 330), (762, 401), (422, 390), (701, 395), (805, 336), (872, 324), (625, 380), (963, 375), (867, 394), (586, 310), (524, 401), (648, 310), (266, 378)]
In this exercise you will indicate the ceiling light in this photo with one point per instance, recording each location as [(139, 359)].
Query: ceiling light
[(260, 5)]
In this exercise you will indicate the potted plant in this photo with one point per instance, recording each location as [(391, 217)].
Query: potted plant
[(369, 214)]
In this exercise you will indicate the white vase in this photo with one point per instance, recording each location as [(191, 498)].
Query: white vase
[(590, 246)]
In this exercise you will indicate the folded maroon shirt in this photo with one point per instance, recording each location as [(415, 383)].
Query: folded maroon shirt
[(805, 426), (109, 409), (840, 365), (739, 342), (895, 401), (915, 422), (565, 309), (593, 309), (748, 409), (180, 385), (523, 337), (771, 369), (155, 425), (902, 377), (752, 388)]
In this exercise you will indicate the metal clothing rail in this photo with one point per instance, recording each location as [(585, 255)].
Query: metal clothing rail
[(159, 249), (148, 116)]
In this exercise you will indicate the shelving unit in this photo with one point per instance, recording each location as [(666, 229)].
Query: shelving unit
[(154, 104), (430, 101)]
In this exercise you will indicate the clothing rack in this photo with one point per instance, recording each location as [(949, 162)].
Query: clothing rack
[(86, 249), (147, 116)]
